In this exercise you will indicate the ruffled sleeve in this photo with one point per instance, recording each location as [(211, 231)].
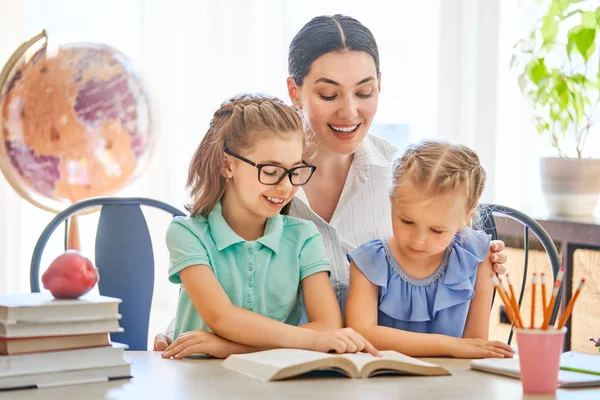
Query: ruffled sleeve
[(370, 258), (469, 248)]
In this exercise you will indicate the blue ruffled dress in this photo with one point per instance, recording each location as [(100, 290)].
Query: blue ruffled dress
[(437, 304)]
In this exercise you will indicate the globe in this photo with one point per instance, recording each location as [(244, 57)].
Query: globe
[(75, 122)]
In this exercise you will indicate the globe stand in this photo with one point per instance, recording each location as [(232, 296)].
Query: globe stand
[(73, 241)]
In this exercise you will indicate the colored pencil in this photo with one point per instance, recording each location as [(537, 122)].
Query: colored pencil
[(514, 300), (548, 311), (567, 313), (533, 286), (505, 300), (544, 297)]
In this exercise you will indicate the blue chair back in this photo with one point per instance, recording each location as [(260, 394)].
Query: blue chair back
[(124, 258), (487, 211)]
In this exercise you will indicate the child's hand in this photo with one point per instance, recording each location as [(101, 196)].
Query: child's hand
[(344, 340), (477, 348), (199, 342)]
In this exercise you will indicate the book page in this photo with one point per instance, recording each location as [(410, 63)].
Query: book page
[(404, 358), (359, 359), (580, 362), (362, 359), (282, 358)]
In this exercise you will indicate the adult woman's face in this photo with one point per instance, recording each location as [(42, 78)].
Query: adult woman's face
[(339, 99)]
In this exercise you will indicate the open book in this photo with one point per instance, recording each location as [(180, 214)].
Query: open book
[(566, 378), (271, 365)]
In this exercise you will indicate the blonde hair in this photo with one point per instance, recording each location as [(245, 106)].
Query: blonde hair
[(234, 126), (435, 168)]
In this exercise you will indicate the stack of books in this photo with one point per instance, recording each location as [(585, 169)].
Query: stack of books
[(50, 342)]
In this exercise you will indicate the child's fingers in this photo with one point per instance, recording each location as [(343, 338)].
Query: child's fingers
[(176, 347), (357, 340), (369, 348), (499, 348), (502, 346), (491, 353), (197, 348), (363, 344), (350, 346)]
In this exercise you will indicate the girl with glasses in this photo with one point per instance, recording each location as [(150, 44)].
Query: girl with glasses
[(246, 269)]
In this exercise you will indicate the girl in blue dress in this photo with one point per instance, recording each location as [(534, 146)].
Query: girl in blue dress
[(427, 290)]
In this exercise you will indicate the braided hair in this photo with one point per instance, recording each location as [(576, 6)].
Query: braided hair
[(435, 168), (236, 125)]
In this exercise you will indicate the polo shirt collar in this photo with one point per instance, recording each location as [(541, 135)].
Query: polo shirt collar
[(224, 236), (273, 233)]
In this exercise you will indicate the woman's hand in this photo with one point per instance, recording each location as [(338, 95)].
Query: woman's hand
[(161, 342), (498, 258), (477, 348), (199, 342), (345, 340)]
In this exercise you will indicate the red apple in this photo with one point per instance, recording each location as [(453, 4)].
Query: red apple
[(70, 275)]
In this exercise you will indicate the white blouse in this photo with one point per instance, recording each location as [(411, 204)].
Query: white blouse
[(363, 212)]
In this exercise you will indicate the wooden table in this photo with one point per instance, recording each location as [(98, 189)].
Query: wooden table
[(158, 378)]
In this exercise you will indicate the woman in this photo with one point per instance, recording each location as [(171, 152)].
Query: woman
[(334, 83)]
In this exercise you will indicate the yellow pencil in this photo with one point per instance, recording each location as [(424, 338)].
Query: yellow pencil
[(544, 298), (557, 283), (567, 313), (514, 301), (533, 286), (506, 301)]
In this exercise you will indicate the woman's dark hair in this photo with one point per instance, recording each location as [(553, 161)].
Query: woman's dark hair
[(325, 34)]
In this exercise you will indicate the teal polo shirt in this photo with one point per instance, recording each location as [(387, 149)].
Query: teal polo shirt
[(262, 276)]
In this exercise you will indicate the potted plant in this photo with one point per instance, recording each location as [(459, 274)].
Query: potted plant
[(558, 65)]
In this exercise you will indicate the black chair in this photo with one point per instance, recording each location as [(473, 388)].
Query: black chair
[(124, 259), (488, 223)]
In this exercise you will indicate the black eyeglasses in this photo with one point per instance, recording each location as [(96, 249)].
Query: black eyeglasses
[(272, 174)]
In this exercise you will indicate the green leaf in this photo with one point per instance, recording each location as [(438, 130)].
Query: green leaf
[(598, 15), (589, 20), (522, 80), (537, 70), (542, 126), (562, 94), (564, 122), (577, 104), (579, 78), (584, 41), (571, 40), (549, 31)]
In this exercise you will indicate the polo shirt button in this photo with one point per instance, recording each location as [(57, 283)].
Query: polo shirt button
[(330, 236), (249, 299), (251, 267), (250, 251), (251, 283)]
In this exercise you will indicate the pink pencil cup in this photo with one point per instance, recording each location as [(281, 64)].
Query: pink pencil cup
[(539, 357)]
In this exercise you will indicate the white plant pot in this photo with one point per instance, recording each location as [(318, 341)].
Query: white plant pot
[(571, 186)]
